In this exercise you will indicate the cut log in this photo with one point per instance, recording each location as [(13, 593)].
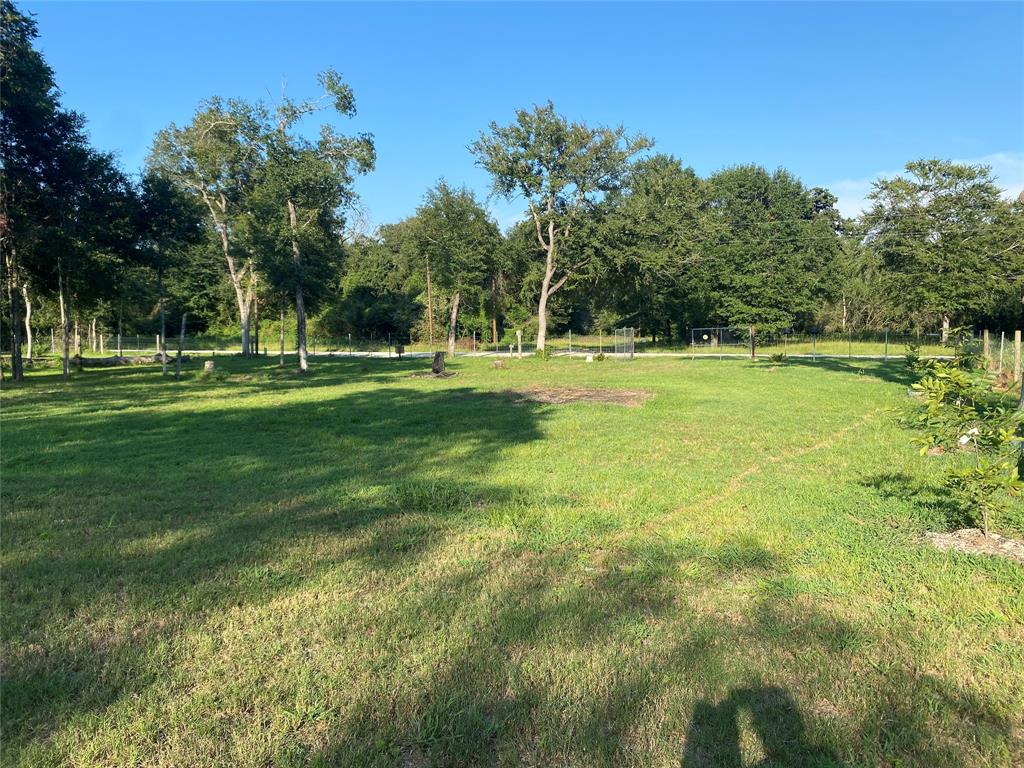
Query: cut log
[(438, 365)]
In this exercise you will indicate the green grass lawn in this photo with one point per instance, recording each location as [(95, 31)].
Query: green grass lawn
[(363, 568)]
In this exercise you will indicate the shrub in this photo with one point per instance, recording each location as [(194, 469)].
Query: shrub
[(962, 413), (543, 354), (600, 357), (777, 357), (912, 356)]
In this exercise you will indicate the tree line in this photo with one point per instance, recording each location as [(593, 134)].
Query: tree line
[(243, 221)]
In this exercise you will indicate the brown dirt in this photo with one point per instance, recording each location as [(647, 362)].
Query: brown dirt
[(973, 541), (631, 398)]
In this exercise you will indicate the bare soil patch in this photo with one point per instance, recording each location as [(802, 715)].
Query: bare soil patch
[(631, 398), (973, 541)]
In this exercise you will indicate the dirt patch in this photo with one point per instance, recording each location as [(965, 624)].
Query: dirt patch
[(973, 541), (631, 398)]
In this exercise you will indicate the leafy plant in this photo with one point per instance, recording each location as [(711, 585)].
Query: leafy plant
[(912, 356), (777, 357), (967, 352), (543, 354), (962, 413), (600, 357)]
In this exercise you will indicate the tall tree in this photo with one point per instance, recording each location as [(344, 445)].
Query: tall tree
[(768, 248), (560, 168), (653, 235), (456, 236), (210, 158), (169, 223), (932, 229), (32, 132), (302, 190)]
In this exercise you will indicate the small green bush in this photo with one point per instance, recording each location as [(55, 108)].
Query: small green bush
[(960, 412), (777, 357), (543, 354), (600, 357), (912, 356)]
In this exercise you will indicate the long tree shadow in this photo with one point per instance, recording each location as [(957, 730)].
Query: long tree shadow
[(893, 371), (226, 493)]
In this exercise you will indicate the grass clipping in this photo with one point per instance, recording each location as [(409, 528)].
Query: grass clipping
[(630, 398)]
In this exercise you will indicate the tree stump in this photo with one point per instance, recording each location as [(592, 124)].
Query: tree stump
[(438, 365), (208, 366)]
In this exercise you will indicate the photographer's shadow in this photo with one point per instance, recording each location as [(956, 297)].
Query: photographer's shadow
[(713, 739)]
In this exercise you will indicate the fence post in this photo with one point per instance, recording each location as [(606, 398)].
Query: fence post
[(849, 345), (570, 343), (474, 341), (753, 343), (519, 343), (1016, 356), (986, 349), (886, 355), (1002, 344)]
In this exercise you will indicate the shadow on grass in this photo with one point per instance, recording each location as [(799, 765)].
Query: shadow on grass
[(179, 515), (130, 529), (714, 735), (933, 507), (893, 371)]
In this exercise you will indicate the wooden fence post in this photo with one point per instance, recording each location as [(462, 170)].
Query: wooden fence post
[(986, 349)]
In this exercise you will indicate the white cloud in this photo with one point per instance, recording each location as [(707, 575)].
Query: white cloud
[(1007, 167)]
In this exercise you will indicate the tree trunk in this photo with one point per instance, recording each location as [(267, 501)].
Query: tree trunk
[(181, 343), (28, 321), (430, 309), (64, 327), (300, 304), (17, 369), (163, 325), (542, 307), (494, 330), (282, 334), (256, 325), (945, 328), (300, 329), (453, 323), (92, 336), (242, 297)]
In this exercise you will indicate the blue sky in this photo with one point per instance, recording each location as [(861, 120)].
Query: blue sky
[(837, 93)]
